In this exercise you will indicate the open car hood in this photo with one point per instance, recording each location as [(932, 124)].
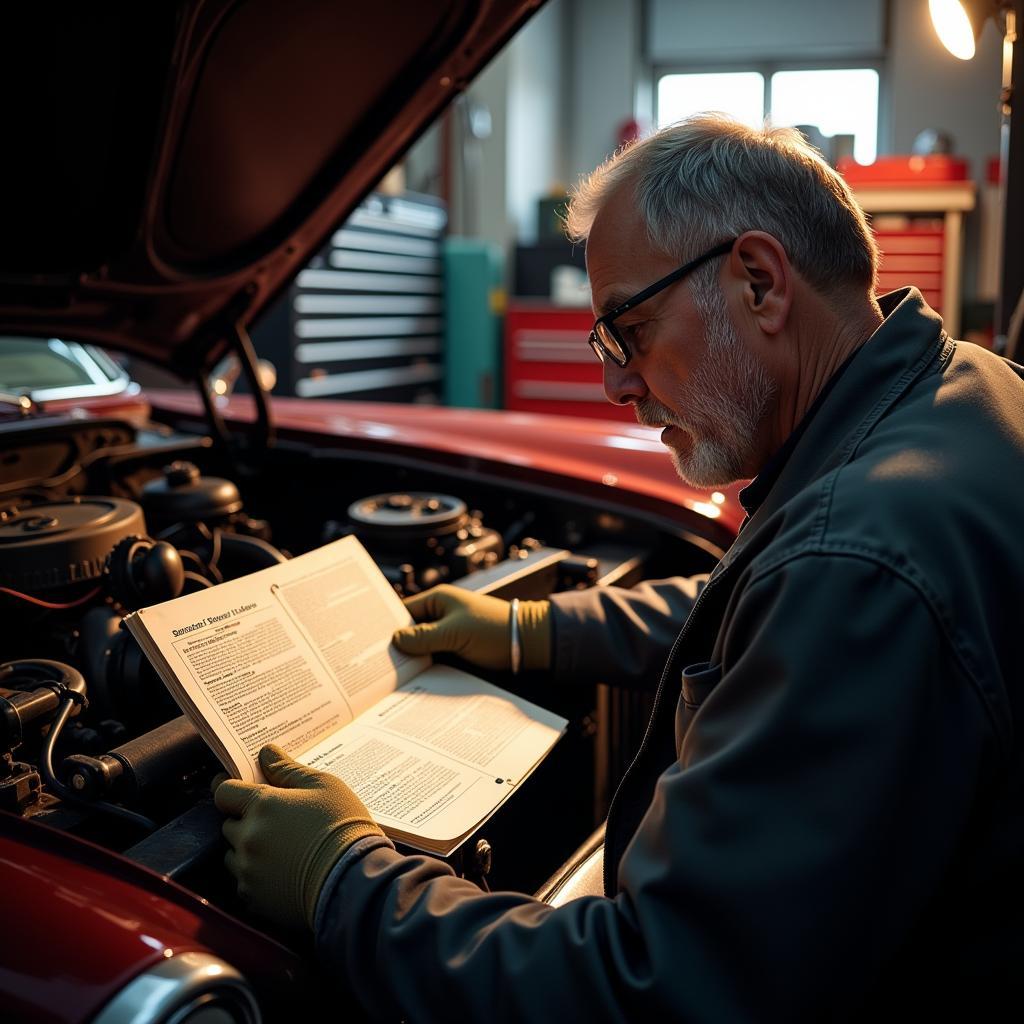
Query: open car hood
[(169, 167)]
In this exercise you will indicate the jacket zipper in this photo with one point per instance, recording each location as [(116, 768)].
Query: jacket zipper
[(683, 633)]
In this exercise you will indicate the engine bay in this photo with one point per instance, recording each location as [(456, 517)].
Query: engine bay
[(100, 518)]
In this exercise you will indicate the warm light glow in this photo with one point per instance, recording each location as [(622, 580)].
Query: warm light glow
[(705, 508), (718, 497), (953, 27)]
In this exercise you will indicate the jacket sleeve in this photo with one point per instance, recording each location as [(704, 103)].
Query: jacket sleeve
[(786, 855), (618, 636)]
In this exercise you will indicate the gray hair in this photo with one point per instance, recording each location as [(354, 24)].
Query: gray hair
[(709, 178)]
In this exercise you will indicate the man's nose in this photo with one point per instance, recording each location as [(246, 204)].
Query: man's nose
[(622, 385)]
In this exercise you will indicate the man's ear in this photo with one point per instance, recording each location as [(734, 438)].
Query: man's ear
[(759, 263)]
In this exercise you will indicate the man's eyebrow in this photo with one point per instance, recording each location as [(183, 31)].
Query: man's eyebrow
[(613, 300)]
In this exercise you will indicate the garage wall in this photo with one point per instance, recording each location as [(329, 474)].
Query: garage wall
[(606, 73), (559, 92), (778, 30), (929, 88), (520, 102), (923, 85), (537, 115)]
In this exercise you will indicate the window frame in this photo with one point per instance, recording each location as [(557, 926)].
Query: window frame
[(768, 68)]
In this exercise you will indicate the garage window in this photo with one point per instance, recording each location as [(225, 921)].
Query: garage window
[(838, 101)]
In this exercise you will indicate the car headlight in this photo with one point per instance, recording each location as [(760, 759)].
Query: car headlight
[(189, 988)]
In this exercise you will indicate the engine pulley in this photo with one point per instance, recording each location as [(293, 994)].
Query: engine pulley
[(412, 514)]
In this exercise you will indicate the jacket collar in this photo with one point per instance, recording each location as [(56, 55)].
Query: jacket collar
[(760, 487), (881, 370)]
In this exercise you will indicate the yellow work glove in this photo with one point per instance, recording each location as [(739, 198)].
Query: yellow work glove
[(477, 628), (285, 837)]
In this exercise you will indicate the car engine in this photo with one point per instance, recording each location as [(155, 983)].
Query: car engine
[(99, 518)]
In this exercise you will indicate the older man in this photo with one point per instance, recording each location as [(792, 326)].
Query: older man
[(826, 819)]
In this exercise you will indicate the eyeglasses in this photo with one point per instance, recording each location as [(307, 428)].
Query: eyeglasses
[(605, 339)]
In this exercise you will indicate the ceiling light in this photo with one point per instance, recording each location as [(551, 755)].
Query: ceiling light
[(954, 27)]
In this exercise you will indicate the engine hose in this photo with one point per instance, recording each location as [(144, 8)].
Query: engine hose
[(46, 770), (246, 554)]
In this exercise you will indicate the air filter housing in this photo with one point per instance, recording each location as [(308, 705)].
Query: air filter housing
[(50, 546)]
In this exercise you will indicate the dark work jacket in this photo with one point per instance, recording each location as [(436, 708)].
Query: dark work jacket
[(826, 819)]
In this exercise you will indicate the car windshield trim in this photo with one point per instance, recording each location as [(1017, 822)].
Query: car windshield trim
[(104, 377)]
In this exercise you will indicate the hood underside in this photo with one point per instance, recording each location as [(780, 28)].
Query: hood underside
[(170, 166)]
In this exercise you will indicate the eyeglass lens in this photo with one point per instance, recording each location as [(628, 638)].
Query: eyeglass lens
[(610, 343)]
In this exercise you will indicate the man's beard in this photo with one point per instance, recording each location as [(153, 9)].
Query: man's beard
[(721, 405)]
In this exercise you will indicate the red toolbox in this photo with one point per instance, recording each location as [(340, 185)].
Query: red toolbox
[(549, 367)]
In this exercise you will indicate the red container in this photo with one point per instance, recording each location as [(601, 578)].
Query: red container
[(904, 170), (549, 367)]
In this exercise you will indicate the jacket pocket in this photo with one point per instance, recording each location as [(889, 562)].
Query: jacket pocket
[(698, 680)]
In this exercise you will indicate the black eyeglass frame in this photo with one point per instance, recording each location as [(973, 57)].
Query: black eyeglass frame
[(601, 350)]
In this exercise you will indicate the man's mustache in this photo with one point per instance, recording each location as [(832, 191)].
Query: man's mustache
[(650, 413)]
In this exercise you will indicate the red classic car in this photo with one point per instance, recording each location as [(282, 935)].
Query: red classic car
[(171, 166)]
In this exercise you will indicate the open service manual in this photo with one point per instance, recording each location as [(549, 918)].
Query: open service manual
[(300, 655)]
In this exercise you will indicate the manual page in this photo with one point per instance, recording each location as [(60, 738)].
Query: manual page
[(299, 654), (435, 759)]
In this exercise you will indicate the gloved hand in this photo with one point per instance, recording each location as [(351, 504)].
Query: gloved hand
[(476, 627), (286, 836)]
